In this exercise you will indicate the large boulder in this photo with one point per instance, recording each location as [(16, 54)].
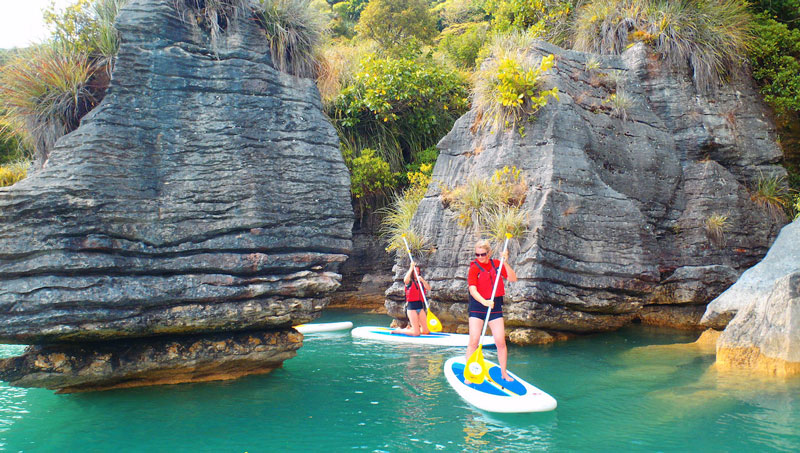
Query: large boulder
[(205, 194), (764, 336), (756, 284), (617, 204)]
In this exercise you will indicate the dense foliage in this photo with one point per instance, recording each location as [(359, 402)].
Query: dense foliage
[(397, 25), (398, 106)]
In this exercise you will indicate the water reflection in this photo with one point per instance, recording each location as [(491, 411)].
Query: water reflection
[(509, 432)]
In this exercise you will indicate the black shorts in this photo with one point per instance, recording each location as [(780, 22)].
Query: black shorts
[(478, 310), (415, 305)]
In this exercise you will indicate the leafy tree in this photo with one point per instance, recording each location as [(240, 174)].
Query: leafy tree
[(462, 42), (396, 24), (784, 11)]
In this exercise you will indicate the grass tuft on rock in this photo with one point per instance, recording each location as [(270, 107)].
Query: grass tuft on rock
[(710, 36), (507, 90), (715, 226), (295, 30), (43, 94), (772, 195), (12, 173)]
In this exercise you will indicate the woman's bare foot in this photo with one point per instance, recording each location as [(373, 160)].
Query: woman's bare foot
[(506, 377)]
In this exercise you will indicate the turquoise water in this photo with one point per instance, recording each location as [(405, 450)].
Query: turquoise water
[(623, 390)]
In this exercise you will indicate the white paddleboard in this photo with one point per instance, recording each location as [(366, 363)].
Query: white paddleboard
[(433, 338), (496, 394), (323, 327)]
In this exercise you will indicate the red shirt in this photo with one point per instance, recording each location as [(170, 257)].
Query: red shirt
[(485, 281)]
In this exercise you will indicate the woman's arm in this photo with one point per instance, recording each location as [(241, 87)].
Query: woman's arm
[(425, 284), (407, 278), (473, 291)]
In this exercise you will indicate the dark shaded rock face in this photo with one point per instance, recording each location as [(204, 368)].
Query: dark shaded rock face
[(205, 194), (617, 207)]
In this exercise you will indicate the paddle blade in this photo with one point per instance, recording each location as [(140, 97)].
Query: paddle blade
[(433, 323), (475, 369)]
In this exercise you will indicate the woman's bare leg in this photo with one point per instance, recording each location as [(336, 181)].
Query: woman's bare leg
[(499, 334)]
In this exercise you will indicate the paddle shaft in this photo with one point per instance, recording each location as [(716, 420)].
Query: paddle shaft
[(421, 288), (494, 290)]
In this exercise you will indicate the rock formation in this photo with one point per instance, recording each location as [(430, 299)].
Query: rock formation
[(205, 196), (764, 335), (617, 202)]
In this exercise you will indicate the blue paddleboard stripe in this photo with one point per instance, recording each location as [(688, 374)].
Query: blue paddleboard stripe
[(485, 386)]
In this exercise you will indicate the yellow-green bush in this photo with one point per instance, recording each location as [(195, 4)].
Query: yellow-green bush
[(507, 89), (13, 173)]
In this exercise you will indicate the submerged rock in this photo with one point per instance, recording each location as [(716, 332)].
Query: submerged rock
[(205, 194), (617, 204)]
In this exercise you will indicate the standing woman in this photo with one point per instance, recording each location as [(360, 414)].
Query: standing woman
[(415, 308), (482, 273)]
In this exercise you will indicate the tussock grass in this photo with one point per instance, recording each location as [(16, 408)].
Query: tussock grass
[(620, 102), (13, 173), (715, 226), (772, 195), (493, 205), (107, 38), (710, 36), (295, 30), (43, 93)]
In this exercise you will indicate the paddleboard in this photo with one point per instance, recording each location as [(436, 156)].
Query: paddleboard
[(496, 394), (433, 338), (323, 327)]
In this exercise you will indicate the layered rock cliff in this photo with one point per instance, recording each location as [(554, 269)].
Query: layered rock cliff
[(618, 203), (205, 194)]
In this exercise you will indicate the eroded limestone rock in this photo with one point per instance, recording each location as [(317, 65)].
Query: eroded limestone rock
[(205, 194), (617, 206)]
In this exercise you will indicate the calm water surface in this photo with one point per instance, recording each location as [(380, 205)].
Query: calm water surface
[(631, 390)]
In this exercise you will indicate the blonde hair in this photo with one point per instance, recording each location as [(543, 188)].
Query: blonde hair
[(483, 244)]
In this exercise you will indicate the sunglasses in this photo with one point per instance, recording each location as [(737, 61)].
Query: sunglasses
[(481, 254)]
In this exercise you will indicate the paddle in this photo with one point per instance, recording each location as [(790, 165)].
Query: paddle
[(475, 370), (433, 322)]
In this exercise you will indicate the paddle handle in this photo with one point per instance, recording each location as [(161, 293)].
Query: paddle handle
[(419, 283), (494, 288)]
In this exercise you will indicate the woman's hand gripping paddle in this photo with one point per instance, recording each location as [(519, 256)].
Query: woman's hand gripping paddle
[(476, 371), (433, 322)]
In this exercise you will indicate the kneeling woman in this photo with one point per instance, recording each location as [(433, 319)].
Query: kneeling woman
[(415, 307), (482, 273)]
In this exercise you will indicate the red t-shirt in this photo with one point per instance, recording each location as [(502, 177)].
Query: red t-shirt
[(485, 281)]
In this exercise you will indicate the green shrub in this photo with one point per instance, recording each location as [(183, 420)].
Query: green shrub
[(87, 26), (398, 106), (397, 217), (507, 91), (371, 179), (796, 207), (294, 30), (775, 59), (44, 93), (710, 36), (461, 43), (545, 18), (784, 11)]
